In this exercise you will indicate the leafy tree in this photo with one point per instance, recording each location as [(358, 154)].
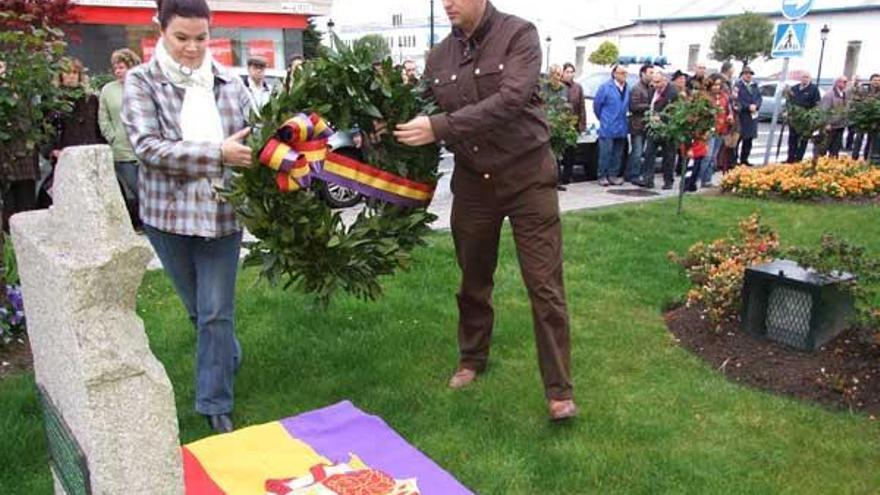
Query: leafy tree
[(742, 37), (375, 44), (312, 41), (562, 122), (606, 54), (864, 115)]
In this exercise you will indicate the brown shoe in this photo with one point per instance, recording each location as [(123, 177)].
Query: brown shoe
[(462, 378), (561, 410)]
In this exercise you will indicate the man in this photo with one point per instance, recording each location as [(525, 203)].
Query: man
[(484, 77), (410, 73), (805, 95), (872, 91), (639, 103), (748, 102), (295, 63), (662, 96), (727, 72), (698, 82), (110, 124), (575, 96), (256, 83), (835, 102), (611, 105)]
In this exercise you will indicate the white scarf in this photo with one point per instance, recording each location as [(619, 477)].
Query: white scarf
[(199, 117)]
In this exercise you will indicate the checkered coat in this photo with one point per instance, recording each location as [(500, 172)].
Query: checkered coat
[(177, 178)]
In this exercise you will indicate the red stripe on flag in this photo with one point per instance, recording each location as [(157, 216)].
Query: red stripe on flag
[(375, 172), (196, 479)]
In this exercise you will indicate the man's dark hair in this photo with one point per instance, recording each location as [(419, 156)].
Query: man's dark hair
[(168, 9), (873, 76), (726, 66), (568, 65), (644, 69)]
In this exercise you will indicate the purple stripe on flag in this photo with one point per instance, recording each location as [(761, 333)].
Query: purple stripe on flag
[(368, 191), (342, 429)]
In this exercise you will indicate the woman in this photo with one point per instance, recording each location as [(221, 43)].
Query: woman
[(718, 153), (110, 122), (77, 127), (186, 117)]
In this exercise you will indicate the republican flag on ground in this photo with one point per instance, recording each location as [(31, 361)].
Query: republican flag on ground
[(337, 450)]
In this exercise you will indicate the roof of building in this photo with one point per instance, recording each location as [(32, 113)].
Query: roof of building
[(702, 10)]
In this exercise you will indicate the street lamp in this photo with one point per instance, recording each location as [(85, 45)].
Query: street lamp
[(662, 37), (824, 32), (548, 40), (431, 42), (330, 26)]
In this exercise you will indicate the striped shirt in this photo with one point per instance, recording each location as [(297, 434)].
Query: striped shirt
[(177, 177)]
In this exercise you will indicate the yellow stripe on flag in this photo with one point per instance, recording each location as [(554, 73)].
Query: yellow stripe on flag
[(242, 461), (278, 156)]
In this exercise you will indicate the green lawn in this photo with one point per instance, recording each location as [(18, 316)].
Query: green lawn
[(654, 418)]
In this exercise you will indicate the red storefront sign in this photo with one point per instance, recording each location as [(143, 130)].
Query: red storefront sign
[(148, 46), (264, 49), (135, 16), (221, 49)]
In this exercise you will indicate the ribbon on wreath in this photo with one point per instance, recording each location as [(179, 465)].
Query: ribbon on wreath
[(299, 153)]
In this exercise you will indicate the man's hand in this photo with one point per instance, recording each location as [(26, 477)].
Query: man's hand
[(416, 132), (753, 108), (234, 153)]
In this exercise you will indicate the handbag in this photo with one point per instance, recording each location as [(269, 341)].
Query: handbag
[(731, 139)]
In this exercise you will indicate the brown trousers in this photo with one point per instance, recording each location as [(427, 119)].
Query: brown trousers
[(478, 212)]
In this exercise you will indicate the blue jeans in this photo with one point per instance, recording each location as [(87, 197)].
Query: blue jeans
[(203, 271), (610, 155), (637, 149), (708, 167), (127, 175)]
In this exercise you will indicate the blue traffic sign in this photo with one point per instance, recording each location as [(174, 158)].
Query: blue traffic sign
[(795, 9), (790, 39)]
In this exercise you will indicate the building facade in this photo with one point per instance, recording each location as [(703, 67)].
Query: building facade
[(407, 38), (685, 38), (239, 29)]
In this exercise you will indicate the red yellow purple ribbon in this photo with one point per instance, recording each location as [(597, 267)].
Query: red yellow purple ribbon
[(299, 152)]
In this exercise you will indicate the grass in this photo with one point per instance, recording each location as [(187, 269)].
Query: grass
[(654, 418)]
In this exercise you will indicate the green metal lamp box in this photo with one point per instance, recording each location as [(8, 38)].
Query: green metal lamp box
[(786, 303)]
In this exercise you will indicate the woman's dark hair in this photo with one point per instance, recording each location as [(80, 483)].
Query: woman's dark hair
[(167, 9)]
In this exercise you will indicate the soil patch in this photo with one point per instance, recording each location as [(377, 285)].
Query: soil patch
[(845, 374), (15, 358)]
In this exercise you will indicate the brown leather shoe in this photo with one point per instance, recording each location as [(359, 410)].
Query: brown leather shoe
[(462, 378), (561, 410)]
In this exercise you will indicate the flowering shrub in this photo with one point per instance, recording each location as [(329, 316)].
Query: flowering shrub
[(717, 269), (12, 323), (831, 178)]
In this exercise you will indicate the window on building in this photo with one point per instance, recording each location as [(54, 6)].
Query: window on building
[(693, 56), (397, 20)]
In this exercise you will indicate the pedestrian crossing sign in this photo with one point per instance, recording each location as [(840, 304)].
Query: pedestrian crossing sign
[(790, 39)]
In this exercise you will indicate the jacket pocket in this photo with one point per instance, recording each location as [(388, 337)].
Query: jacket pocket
[(487, 76), (445, 89)]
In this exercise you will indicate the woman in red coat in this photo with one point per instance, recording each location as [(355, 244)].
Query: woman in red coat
[(719, 153)]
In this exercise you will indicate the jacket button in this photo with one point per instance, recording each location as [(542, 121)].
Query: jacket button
[(477, 72), (500, 66), (436, 81), (476, 149), (486, 176), (454, 77)]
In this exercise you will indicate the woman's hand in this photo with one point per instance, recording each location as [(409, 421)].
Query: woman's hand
[(234, 153)]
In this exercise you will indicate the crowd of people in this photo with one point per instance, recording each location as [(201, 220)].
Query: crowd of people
[(627, 149)]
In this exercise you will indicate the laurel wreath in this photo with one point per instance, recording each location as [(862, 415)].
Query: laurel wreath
[(301, 242)]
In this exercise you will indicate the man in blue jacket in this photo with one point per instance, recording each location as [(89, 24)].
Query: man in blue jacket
[(610, 106), (748, 102)]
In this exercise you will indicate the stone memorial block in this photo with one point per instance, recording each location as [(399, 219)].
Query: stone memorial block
[(109, 406)]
